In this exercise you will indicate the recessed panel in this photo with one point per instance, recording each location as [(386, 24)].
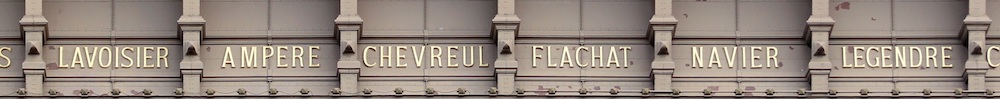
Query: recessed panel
[(460, 18), (772, 18), (392, 18), (304, 18), (78, 18), (235, 18), (929, 19), (549, 18), (9, 22), (861, 19), (705, 19), (146, 18), (616, 19)]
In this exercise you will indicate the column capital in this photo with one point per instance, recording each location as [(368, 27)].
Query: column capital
[(506, 12), (192, 72), (33, 20), (820, 21), (34, 38), (34, 29), (661, 36), (33, 13), (191, 13), (349, 25), (349, 19), (505, 31), (663, 14), (191, 20), (191, 32), (510, 19), (668, 20), (977, 18), (976, 25), (818, 37), (820, 14)]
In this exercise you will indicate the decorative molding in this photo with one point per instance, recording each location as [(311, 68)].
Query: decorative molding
[(661, 35), (820, 26)]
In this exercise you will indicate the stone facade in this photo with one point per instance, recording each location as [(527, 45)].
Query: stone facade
[(498, 48)]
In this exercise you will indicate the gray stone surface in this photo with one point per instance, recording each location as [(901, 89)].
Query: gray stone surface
[(497, 48)]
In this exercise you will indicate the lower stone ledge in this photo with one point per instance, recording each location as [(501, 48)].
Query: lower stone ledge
[(528, 95)]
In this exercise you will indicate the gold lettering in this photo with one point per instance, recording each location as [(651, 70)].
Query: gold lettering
[(945, 57), (162, 56), (313, 56), (535, 56), (61, 65), (858, 51), (249, 56), (745, 58), (383, 56), (266, 52), (613, 58), (548, 61), (989, 54), (886, 59), (696, 60), (578, 61), (145, 57), (730, 57), (772, 57), (5, 58), (868, 53), (227, 58), (625, 51), (77, 57), (843, 58), (901, 57), (109, 60), (467, 56), (418, 56), (931, 56), (91, 57), (297, 56), (452, 56), (754, 57), (713, 58), (133, 62), (365, 56), (400, 56), (481, 62), (281, 57), (436, 56), (138, 57), (565, 58), (919, 61), (597, 56)]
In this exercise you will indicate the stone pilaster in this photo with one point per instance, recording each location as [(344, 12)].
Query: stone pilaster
[(192, 27), (34, 26), (349, 26), (976, 25), (662, 34), (820, 25), (505, 25)]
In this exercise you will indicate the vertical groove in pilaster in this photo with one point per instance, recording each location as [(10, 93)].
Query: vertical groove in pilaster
[(820, 25), (349, 25), (976, 27), (191, 29), (33, 26), (662, 26)]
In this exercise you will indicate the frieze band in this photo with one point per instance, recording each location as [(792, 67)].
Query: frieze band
[(498, 49), (89, 57)]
